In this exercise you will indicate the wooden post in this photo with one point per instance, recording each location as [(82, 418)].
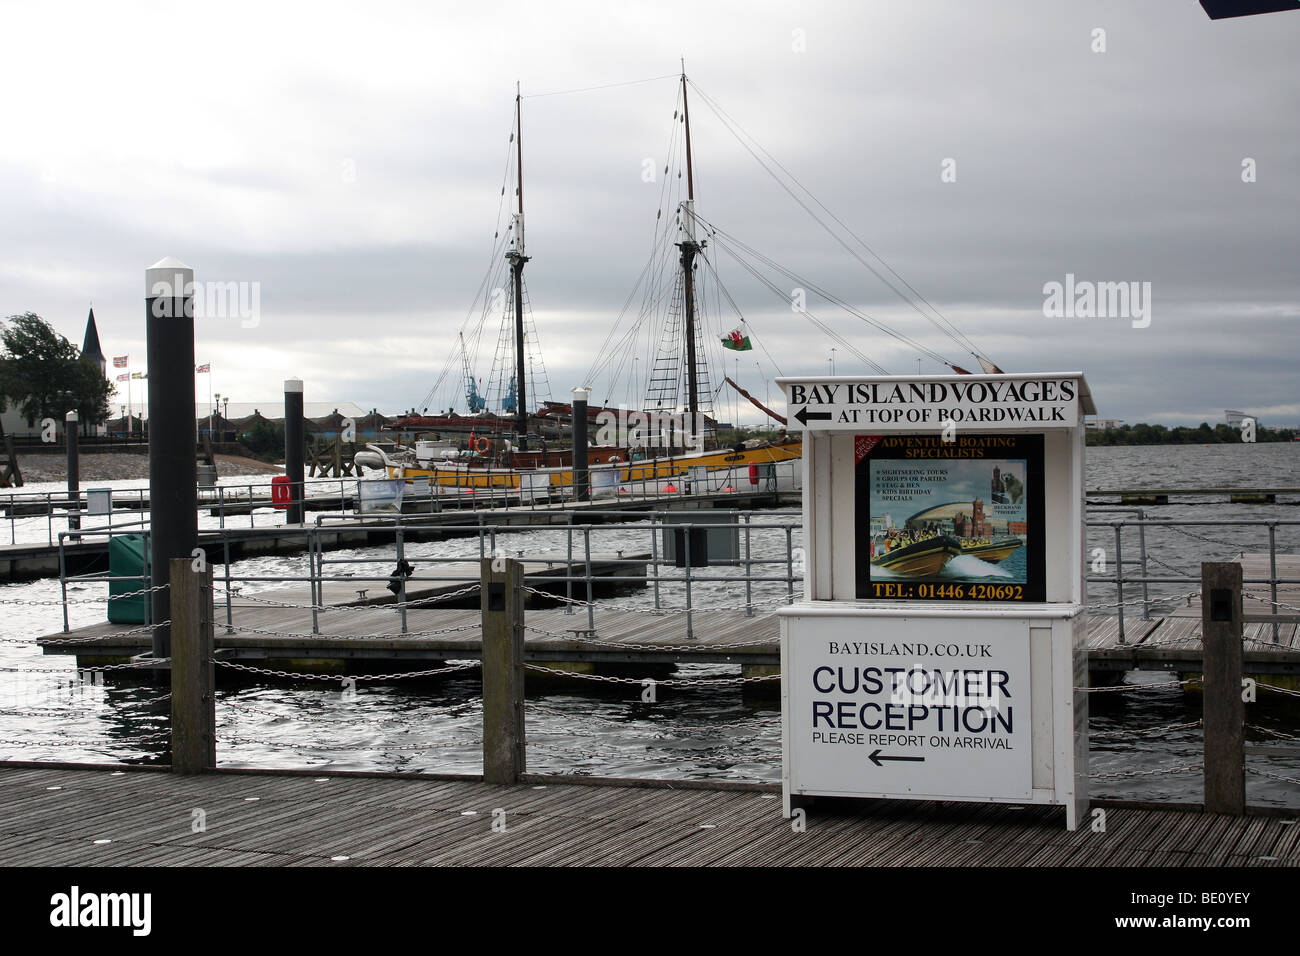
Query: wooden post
[(1224, 711), (194, 723), (503, 670)]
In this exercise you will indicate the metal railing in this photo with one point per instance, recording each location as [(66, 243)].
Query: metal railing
[(604, 550), (1115, 570), (1130, 556), (35, 513)]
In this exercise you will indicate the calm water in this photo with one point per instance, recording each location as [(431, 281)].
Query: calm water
[(697, 732)]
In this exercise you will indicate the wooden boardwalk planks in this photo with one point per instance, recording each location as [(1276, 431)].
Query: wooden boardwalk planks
[(260, 632), (277, 820)]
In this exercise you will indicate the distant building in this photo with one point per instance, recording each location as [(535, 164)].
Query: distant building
[(973, 525), (1103, 424), (1234, 417)]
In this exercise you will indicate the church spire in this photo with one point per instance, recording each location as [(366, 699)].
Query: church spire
[(90, 347)]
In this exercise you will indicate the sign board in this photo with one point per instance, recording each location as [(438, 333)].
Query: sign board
[(534, 486), (958, 520), (99, 501), (918, 710), (940, 649), (380, 496), (986, 401), (716, 541)]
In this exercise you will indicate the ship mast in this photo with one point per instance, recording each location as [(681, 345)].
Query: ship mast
[(689, 248), (517, 260)]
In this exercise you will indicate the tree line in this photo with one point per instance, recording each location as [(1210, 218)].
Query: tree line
[(1202, 434), (45, 376)]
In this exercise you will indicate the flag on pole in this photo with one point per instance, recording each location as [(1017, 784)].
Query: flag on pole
[(737, 341), (204, 368), (139, 374), (123, 378), (119, 361)]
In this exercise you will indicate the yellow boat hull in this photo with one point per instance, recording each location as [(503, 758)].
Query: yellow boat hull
[(651, 469)]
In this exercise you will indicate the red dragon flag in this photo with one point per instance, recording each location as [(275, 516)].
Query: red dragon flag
[(737, 341)]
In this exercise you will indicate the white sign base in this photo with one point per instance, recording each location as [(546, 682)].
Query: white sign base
[(935, 703)]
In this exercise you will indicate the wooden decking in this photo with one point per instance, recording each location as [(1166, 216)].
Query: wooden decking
[(371, 634), (55, 816)]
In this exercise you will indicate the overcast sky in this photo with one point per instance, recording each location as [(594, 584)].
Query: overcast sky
[(348, 158)]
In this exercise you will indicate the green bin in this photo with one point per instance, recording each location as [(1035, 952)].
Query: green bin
[(128, 557)]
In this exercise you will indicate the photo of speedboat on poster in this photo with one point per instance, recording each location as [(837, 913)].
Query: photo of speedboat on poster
[(949, 520)]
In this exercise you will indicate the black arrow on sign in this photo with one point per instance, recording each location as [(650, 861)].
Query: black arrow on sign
[(803, 415), (875, 758)]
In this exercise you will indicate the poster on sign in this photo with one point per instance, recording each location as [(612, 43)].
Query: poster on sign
[(958, 520)]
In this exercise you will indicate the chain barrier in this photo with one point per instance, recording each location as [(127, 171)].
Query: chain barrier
[(50, 641), (640, 681), (1181, 572), (89, 742), (326, 748), (1123, 687), (1269, 730), (1278, 690), (388, 606), (76, 670), (1146, 773), (533, 707), (1175, 598), (378, 636), (654, 758), (312, 718), (1136, 734), (340, 678), (694, 608), (570, 636), (60, 602), (1275, 776), (1269, 601), (1218, 542)]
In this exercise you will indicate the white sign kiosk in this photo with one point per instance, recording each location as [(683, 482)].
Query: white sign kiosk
[(939, 652)]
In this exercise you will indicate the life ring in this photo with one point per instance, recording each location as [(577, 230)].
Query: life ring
[(614, 459), (482, 445), (281, 492)]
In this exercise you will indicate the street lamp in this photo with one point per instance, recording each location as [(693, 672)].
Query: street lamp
[(212, 413)]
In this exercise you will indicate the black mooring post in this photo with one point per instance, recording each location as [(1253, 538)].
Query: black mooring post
[(1224, 711), (70, 425), (173, 472), (581, 476), (294, 444)]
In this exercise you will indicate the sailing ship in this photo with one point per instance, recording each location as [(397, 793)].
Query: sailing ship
[(510, 451), (496, 452)]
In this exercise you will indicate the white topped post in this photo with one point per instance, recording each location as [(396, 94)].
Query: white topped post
[(173, 440), (294, 448)]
